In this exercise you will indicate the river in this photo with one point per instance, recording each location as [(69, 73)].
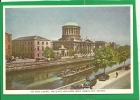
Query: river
[(47, 78)]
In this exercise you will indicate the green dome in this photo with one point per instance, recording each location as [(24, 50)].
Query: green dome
[(71, 24)]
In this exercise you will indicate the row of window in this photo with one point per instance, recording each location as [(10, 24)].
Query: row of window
[(30, 43), (38, 43), (28, 48)]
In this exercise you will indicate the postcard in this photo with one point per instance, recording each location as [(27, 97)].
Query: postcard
[(69, 49)]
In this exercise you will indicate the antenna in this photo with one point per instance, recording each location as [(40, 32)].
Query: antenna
[(86, 33)]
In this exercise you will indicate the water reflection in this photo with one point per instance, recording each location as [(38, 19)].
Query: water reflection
[(47, 78)]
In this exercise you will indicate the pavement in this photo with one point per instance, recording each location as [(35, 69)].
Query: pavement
[(112, 79), (105, 84)]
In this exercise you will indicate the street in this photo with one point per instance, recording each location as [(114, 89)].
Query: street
[(121, 82)]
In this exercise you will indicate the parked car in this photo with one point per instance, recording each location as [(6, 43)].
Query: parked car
[(90, 82), (127, 67), (76, 86), (104, 77)]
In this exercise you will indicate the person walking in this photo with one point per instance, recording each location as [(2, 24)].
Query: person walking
[(116, 74)]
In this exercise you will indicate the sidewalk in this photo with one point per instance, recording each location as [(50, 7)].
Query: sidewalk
[(112, 79), (100, 84)]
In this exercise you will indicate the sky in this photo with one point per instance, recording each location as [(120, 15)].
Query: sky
[(110, 24)]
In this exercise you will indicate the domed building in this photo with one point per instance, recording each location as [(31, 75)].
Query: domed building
[(70, 32), (71, 40)]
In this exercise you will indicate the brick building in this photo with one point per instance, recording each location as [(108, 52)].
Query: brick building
[(8, 46)]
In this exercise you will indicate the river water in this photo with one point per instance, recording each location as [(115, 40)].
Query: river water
[(47, 78)]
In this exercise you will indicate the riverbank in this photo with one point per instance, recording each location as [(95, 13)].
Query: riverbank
[(16, 66)]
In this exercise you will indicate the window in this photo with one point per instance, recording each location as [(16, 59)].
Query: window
[(37, 48), (42, 43), (8, 47), (38, 42), (42, 48), (46, 43), (9, 41), (38, 55)]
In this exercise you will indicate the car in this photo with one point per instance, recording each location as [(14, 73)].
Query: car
[(90, 82), (104, 77), (76, 86), (127, 68)]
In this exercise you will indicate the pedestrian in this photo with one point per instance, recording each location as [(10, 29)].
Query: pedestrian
[(116, 74)]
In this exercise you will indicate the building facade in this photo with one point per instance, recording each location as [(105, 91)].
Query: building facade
[(30, 47), (8, 46), (71, 39)]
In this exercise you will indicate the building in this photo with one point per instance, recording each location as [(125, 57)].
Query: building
[(30, 46), (8, 46), (71, 39), (99, 44)]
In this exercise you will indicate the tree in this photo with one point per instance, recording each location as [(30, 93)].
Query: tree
[(71, 52), (123, 53), (83, 50), (104, 57), (48, 53)]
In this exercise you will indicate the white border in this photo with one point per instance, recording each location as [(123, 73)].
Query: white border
[(95, 91)]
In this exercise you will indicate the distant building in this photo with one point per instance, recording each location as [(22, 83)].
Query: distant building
[(113, 45), (30, 46), (8, 46), (71, 39), (99, 44)]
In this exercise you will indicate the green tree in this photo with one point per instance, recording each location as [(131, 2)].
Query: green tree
[(123, 53), (105, 57), (71, 52), (83, 50), (48, 53)]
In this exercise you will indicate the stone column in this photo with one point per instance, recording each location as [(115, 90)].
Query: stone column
[(63, 31), (72, 30)]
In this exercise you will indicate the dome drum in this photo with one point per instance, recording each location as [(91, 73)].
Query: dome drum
[(71, 31)]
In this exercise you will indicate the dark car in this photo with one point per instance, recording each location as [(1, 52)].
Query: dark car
[(104, 77), (76, 86), (90, 82), (127, 67)]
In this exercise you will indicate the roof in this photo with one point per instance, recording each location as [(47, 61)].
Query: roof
[(7, 33), (100, 42), (87, 40), (32, 38), (71, 24)]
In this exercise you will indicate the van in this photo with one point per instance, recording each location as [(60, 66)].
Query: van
[(90, 82)]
